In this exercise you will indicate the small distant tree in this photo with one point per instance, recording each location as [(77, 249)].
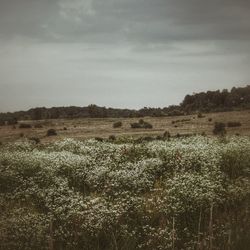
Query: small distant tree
[(219, 128)]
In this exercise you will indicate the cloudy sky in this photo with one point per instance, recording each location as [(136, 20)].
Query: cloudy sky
[(120, 53)]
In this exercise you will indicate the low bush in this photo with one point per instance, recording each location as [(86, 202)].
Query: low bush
[(166, 135), (51, 132), (117, 124), (233, 124), (112, 138), (38, 125), (219, 128), (35, 139), (141, 124), (200, 115), (25, 125), (100, 139)]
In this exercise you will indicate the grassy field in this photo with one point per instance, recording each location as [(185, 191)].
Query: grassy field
[(103, 127)]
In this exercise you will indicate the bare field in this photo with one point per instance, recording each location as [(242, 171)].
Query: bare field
[(103, 127)]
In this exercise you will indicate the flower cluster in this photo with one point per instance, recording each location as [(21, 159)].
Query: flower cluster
[(175, 194)]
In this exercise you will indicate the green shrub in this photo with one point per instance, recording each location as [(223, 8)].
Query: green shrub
[(112, 137), (35, 139), (117, 124), (141, 124), (166, 135), (233, 124), (38, 125), (25, 125), (200, 115), (100, 139), (219, 128), (51, 132)]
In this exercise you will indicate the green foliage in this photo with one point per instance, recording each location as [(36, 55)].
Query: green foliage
[(117, 124), (51, 132), (219, 128), (25, 125), (141, 124), (107, 196), (233, 124), (200, 115)]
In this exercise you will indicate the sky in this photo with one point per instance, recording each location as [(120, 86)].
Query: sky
[(120, 53)]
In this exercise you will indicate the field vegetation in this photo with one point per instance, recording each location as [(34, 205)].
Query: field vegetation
[(174, 193), (87, 128)]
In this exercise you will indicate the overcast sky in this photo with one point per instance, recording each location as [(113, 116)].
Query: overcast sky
[(120, 53)]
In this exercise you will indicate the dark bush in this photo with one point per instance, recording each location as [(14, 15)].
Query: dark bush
[(210, 119), (112, 138), (148, 138), (35, 139), (38, 125), (141, 121), (200, 115), (141, 124), (65, 128), (158, 137), (117, 124), (233, 124), (21, 134), (25, 125), (147, 125), (99, 139), (51, 132), (135, 125), (166, 135), (219, 128)]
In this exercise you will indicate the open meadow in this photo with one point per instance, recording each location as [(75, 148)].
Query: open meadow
[(87, 128)]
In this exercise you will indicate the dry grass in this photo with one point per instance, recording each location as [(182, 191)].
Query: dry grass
[(93, 127)]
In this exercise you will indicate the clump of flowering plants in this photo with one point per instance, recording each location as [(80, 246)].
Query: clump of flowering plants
[(189, 193)]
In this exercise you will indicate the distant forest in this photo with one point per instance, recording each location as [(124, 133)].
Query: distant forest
[(210, 101)]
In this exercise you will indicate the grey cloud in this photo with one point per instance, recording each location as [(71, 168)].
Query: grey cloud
[(143, 21), (124, 53)]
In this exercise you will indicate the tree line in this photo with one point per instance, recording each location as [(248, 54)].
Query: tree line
[(210, 101)]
